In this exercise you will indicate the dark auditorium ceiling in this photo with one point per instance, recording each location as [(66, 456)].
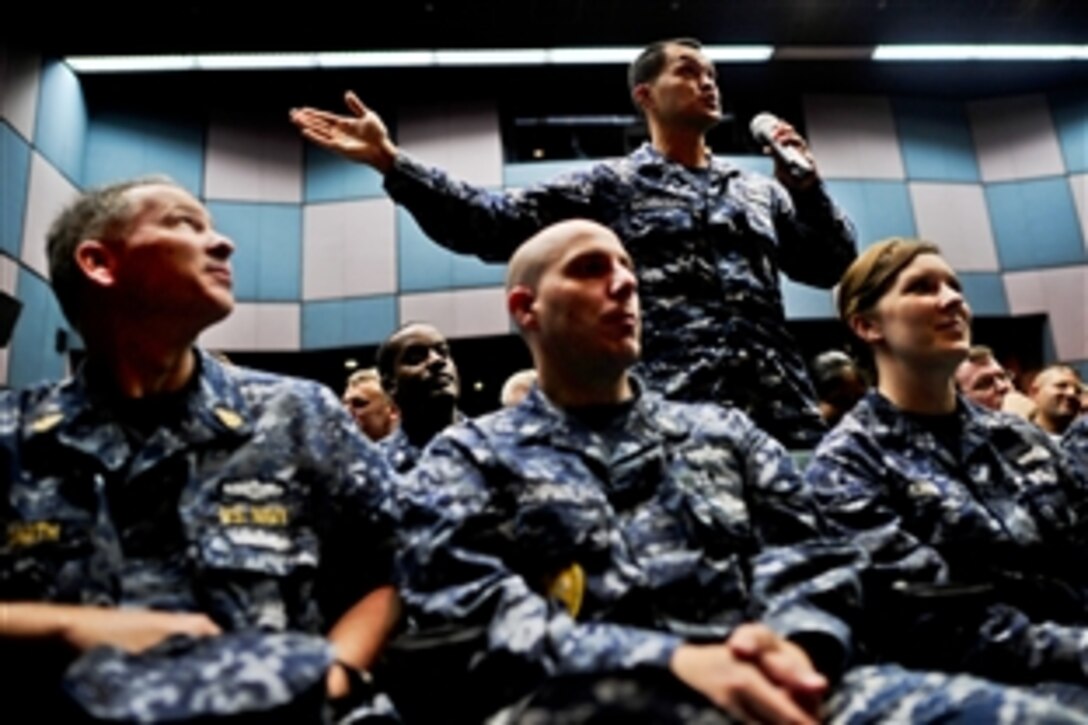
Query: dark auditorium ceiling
[(370, 24), (125, 27)]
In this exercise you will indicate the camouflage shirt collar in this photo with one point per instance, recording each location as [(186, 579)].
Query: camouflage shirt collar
[(648, 421), (78, 414), (647, 156), (401, 453), (886, 421)]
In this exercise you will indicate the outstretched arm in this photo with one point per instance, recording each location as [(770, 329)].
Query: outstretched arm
[(86, 627), (462, 217), (360, 136)]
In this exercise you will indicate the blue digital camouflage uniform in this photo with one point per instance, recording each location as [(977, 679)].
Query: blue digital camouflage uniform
[(253, 500), (401, 454), (1075, 440), (976, 545), (708, 247), (595, 550)]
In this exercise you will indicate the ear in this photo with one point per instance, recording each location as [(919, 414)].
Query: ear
[(97, 262), (519, 303), (1036, 384), (866, 328), (641, 95)]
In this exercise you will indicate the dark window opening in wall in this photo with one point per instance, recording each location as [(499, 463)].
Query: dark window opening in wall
[(576, 136), (587, 132), (485, 362), (590, 136)]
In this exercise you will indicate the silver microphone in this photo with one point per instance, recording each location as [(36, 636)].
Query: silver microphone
[(762, 128)]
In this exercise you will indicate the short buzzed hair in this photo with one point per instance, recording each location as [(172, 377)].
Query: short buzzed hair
[(513, 390), (979, 354), (1055, 368), (364, 375), (651, 61), (385, 359), (98, 213), (538, 252), (829, 368)]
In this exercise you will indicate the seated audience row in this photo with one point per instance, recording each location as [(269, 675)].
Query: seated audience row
[(189, 541), (612, 552)]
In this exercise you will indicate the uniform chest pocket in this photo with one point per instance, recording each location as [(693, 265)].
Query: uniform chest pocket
[(263, 550), (553, 524), (659, 217), (258, 567), (48, 559), (711, 503), (1047, 503)]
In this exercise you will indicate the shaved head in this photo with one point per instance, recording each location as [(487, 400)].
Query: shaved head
[(542, 250)]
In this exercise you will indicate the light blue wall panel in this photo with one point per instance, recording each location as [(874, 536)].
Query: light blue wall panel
[(370, 320), (1070, 113), (425, 266), (14, 177), (322, 324), (122, 146), (329, 177), (807, 303), (985, 292), (879, 209), (757, 164), (537, 172), (33, 344), (1034, 223), (935, 139), (267, 259), (337, 323), (61, 130)]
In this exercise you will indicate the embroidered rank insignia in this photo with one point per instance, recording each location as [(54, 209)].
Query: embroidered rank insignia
[(229, 418), (46, 422), (569, 587), (22, 534)]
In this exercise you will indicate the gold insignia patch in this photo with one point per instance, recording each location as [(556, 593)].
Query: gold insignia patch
[(273, 515), (229, 418), (46, 422), (569, 587), (22, 534)]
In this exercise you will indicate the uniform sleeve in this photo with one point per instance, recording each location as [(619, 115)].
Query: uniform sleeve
[(452, 572), (1075, 445), (817, 240), (805, 584), (846, 484), (913, 610), (358, 508), (490, 224)]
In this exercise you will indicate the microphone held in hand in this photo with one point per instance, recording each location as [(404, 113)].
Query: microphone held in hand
[(762, 128)]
